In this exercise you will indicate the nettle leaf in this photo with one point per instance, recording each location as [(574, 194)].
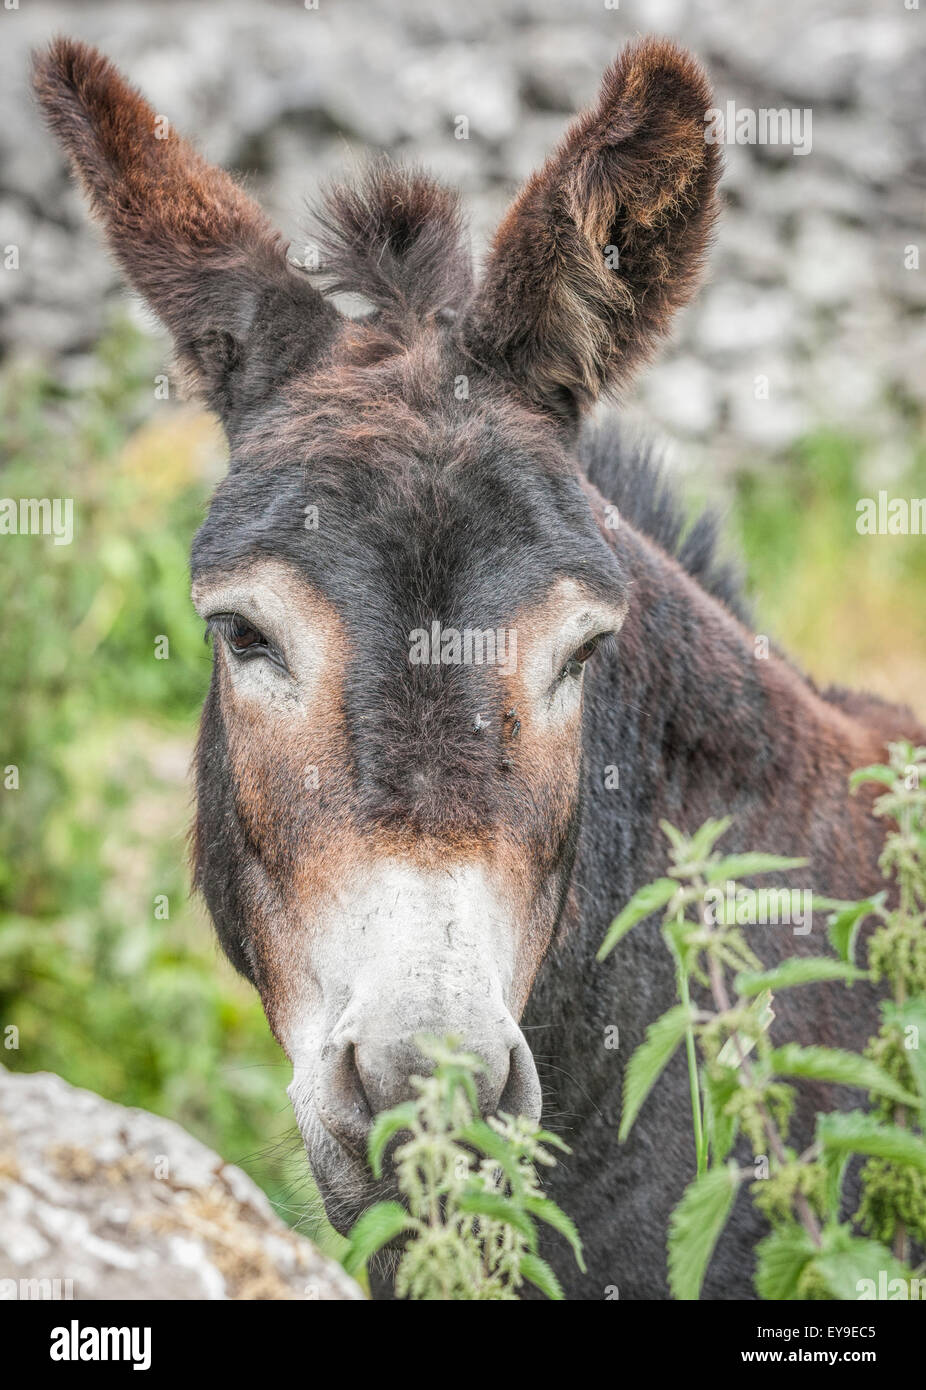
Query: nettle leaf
[(386, 1125), (546, 1210), (536, 1271), (374, 1229), (484, 1138), (877, 772), (855, 1132), (797, 970), (704, 839), (648, 899), (695, 1227), (834, 1167), (843, 928), (740, 1045), (555, 1141), (499, 1208), (911, 1014), (675, 837), (650, 1059), (845, 1269), (721, 1128), (781, 1259), (746, 865), (844, 1068)]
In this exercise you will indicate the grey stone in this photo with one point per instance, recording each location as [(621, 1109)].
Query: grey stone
[(98, 1201)]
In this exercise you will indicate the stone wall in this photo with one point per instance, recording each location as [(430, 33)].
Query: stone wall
[(809, 287)]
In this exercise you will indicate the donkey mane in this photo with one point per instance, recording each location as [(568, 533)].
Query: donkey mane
[(629, 473)]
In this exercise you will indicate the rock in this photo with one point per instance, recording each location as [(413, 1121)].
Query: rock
[(98, 1201)]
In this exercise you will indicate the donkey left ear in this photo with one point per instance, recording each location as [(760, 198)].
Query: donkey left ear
[(190, 240), (607, 240)]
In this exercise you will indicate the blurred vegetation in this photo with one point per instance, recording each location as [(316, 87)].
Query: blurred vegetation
[(103, 989), (145, 1010), (851, 609)]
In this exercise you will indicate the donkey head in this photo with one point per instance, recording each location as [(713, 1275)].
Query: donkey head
[(403, 572)]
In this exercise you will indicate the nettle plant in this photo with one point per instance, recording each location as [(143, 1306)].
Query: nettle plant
[(468, 1229), (741, 1083)]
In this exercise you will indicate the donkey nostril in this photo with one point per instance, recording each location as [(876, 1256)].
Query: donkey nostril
[(385, 1072), (360, 1080), (521, 1094), (342, 1101)]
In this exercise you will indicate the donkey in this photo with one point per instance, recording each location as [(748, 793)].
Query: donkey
[(392, 846)]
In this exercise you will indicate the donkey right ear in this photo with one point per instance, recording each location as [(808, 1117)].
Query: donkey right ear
[(606, 241), (190, 240)]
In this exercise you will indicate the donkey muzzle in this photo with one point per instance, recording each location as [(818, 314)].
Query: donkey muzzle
[(370, 1072)]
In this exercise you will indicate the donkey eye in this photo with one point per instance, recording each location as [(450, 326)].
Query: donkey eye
[(573, 666), (242, 636)]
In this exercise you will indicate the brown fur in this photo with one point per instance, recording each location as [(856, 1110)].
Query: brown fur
[(634, 173)]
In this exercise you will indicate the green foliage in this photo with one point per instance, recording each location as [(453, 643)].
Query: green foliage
[(695, 1228), (742, 1082), (650, 898), (471, 1189), (650, 1060)]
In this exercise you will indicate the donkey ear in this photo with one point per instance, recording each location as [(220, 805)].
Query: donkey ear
[(606, 241), (187, 237)]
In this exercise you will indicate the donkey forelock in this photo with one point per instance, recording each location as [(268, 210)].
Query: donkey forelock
[(397, 238)]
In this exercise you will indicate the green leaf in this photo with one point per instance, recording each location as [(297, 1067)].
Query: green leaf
[(844, 1269), (648, 899), (877, 772), (856, 1132), (543, 1136), (499, 1208), (834, 1165), (374, 1229), (797, 970), (695, 1227), (843, 928), (740, 1045), (484, 1138), (536, 1271), (705, 838), (650, 1058), (721, 1128), (822, 904), (912, 1014), (386, 1125), (781, 1259), (678, 841), (546, 1210), (737, 866), (844, 1068)]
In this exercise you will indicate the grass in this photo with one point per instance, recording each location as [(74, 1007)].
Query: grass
[(104, 989)]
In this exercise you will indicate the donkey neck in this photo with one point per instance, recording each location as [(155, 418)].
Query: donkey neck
[(717, 721), (690, 719)]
